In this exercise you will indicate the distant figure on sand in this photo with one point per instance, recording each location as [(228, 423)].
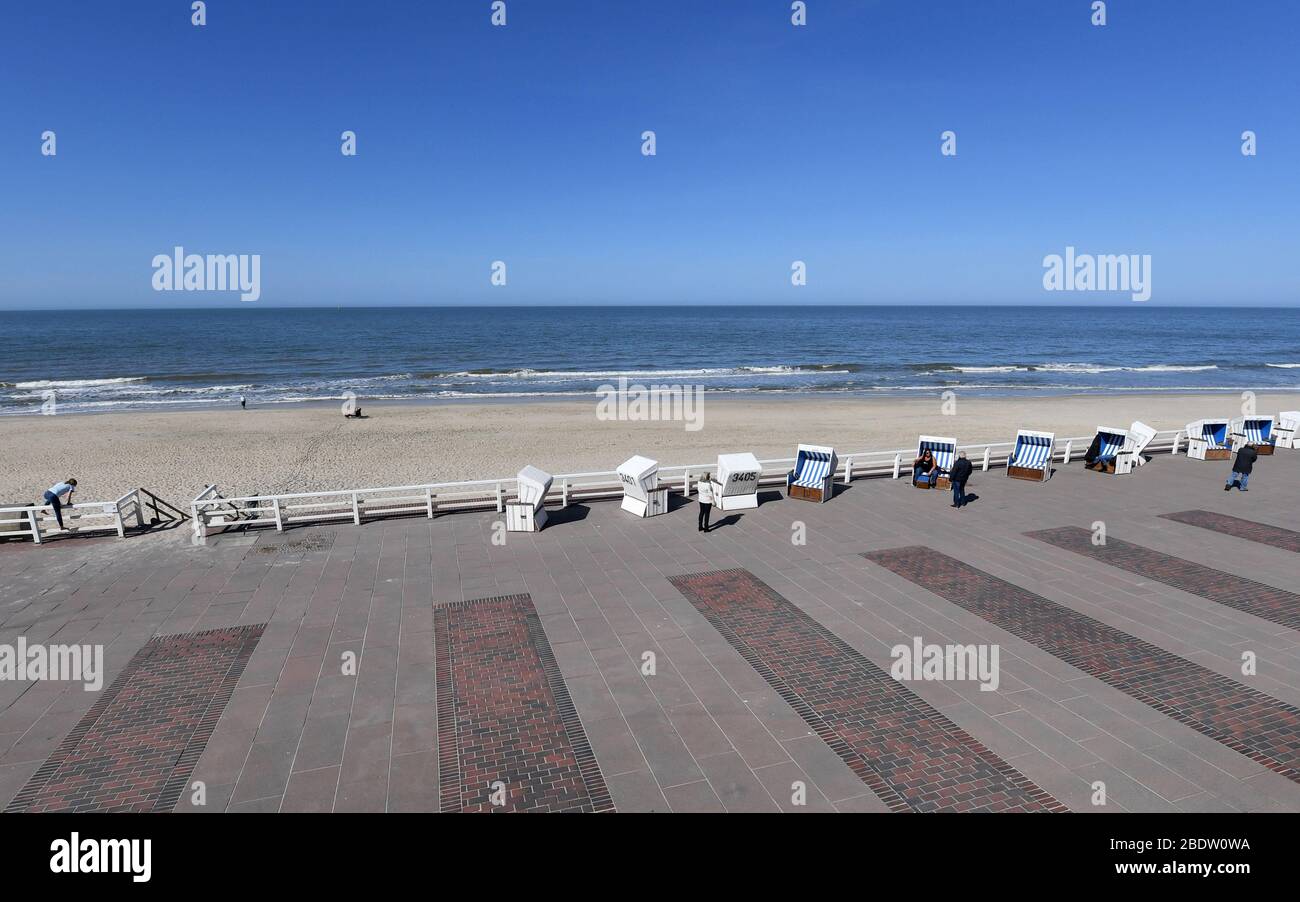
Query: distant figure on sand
[(925, 464), (54, 494), (354, 415), (1241, 468), (243, 402), (705, 488), (961, 471)]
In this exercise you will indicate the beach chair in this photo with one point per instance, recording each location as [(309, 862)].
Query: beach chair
[(1031, 458), (1208, 440), (527, 513), (1256, 431), (945, 452), (641, 492), (1287, 432), (738, 474), (1139, 436), (813, 476), (1105, 449)]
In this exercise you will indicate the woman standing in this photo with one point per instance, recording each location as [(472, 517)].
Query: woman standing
[(705, 489)]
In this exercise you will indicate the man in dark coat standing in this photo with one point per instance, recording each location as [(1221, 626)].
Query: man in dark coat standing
[(961, 471), (1241, 468)]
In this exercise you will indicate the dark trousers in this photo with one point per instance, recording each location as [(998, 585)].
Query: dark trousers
[(959, 493), (705, 510), (53, 500)]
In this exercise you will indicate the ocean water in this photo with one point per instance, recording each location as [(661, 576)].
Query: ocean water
[(145, 359)]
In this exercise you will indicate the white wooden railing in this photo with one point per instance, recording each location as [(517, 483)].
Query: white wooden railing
[(210, 511), (36, 520)]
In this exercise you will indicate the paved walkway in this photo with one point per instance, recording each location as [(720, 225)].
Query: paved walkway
[(353, 693)]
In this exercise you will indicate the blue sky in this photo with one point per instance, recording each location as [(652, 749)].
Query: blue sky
[(522, 144)]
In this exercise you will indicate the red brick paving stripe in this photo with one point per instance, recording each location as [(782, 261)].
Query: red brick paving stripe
[(909, 754), (137, 746), (1250, 722), (1286, 539), (505, 714), (1236, 592)]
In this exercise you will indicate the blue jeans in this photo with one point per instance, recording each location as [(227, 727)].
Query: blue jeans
[(1239, 478), (959, 494), (53, 501)]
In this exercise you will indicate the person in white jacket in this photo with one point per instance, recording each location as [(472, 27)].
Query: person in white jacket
[(705, 488)]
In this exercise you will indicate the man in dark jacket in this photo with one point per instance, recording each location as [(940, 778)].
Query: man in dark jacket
[(961, 471), (1241, 468)]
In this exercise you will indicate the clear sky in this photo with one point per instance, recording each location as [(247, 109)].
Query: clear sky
[(523, 144)]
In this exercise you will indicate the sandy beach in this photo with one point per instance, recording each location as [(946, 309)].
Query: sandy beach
[(302, 448)]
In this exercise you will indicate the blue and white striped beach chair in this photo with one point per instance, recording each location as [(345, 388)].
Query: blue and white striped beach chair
[(1287, 433), (1031, 458), (1109, 442), (945, 452), (1208, 440), (813, 476), (1256, 431)]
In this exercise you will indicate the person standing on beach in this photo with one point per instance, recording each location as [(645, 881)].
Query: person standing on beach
[(961, 471), (1241, 468), (705, 489), (243, 403), (55, 492)]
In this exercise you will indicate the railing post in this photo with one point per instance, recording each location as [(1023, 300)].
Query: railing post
[(564, 494), (1068, 446), (356, 510), (279, 521), (35, 523), (848, 470), (428, 501), (1177, 436), (686, 484), (986, 458), (898, 463), (117, 518), (500, 499)]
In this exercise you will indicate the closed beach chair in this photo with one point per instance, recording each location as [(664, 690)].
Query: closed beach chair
[(1031, 458), (527, 513), (1287, 432), (1208, 440), (1256, 431), (813, 476), (738, 474), (945, 452), (641, 492), (1139, 436)]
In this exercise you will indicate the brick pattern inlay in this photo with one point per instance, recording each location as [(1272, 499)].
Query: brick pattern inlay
[(137, 746), (505, 715), (1237, 592), (1250, 722), (1286, 539), (909, 754)]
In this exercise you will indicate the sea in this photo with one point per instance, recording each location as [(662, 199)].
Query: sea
[(121, 360)]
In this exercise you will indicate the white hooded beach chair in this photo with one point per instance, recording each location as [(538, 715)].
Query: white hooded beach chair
[(813, 476), (1256, 431), (738, 474), (641, 492), (1208, 440), (1031, 458), (527, 513), (945, 452), (1139, 436), (1287, 432), (1118, 451)]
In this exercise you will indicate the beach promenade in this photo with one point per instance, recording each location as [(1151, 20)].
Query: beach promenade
[(616, 663)]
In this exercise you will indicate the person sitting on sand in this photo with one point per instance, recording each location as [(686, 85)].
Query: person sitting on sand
[(924, 464), (54, 493)]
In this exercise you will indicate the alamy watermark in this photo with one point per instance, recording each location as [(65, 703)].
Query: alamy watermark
[(919, 661), (180, 271), (1098, 272), (58, 663), (655, 402)]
